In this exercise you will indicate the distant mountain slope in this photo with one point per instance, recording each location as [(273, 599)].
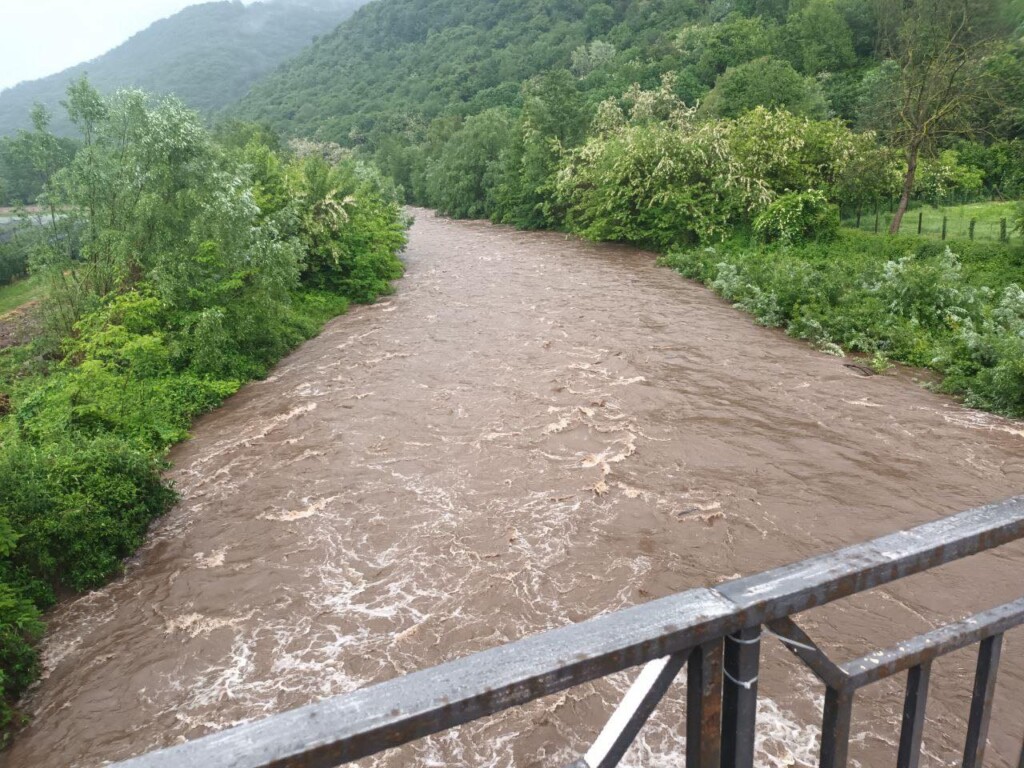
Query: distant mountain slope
[(396, 61), (208, 55)]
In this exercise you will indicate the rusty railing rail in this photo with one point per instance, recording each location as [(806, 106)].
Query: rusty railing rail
[(715, 633)]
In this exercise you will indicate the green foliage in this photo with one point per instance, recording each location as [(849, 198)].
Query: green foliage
[(553, 118), (819, 37), (193, 267), (1001, 163), (459, 179), (13, 258), (29, 158), (710, 49), (797, 217), (765, 82), (945, 177), (654, 175)]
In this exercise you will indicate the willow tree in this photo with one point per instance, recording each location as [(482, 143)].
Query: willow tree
[(937, 78)]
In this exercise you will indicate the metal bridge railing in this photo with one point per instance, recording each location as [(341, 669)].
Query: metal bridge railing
[(715, 633)]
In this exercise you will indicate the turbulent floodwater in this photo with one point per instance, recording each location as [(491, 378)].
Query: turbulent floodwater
[(531, 431)]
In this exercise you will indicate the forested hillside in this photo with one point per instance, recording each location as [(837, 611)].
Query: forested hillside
[(399, 63), (207, 55)]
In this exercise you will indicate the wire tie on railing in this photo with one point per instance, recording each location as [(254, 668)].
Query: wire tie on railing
[(741, 641), (745, 684)]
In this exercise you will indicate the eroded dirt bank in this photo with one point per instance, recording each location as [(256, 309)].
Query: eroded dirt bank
[(530, 432)]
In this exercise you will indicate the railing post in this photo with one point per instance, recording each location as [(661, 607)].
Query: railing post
[(835, 728), (739, 698), (704, 706), (981, 701), (913, 716)]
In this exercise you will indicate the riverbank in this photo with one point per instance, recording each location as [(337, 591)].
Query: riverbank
[(956, 308)]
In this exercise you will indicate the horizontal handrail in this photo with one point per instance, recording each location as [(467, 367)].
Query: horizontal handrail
[(348, 727)]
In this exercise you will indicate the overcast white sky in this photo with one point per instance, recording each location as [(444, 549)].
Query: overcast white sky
[(41, 37)]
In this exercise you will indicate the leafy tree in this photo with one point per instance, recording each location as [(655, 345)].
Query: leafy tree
[(30, 158), (938, 49), (798, 217), (777, 9), (553, 119), (459, 179), (941, 178), (710, 49), (598, 19), (654, 174), (820, 38), (765, 82), (587, 58), (1001, 112)]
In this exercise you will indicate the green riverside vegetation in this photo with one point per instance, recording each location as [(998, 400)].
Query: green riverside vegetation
[(176, 267)]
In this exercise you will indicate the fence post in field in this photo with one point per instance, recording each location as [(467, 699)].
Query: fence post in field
[(944, 221), (1002, 230), (920, 221), (970, 231), (876, 218)]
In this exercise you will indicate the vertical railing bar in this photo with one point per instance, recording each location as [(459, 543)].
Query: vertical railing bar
[(704, 706), (633, 712), (739, 697), (835, 728), (914, 704), (981, 701)]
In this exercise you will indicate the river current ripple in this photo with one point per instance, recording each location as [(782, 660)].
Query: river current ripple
[(530, 432)]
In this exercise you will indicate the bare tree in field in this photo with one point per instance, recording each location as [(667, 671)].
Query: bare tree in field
[(937, 49)]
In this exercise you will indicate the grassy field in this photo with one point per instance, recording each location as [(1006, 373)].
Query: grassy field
[(987, 218), (17, 294)]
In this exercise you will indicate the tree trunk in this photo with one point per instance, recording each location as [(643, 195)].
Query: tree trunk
[(908, 188)]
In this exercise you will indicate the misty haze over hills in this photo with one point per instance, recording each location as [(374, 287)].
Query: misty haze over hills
[(208, 55)]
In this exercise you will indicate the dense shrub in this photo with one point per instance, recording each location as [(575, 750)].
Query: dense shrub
[(13, 259), (656, 174), (765, 82), (797, 217)]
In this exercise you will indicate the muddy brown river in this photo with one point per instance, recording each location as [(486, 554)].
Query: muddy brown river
[(531, 431)]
